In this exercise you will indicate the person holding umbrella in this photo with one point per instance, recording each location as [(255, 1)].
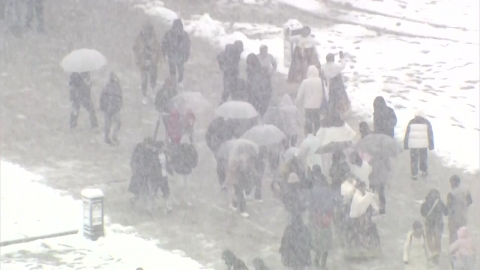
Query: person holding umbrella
[(147, 56), (37, 6), (80, 95), (111, 102), (176, 46)]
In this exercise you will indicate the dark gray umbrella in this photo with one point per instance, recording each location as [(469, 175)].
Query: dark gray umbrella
[(378, 145), (334, 146)]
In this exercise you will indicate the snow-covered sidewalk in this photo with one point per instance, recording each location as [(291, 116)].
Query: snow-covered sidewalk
[(31, 209), (439, 77)]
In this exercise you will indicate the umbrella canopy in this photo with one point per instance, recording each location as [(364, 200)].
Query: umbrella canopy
[(236, 110), (237, 148), (343, 133), (265, 135), (290, 153), (378, 145), (309, 146), (333, 146), (83, 60), (194, 101)]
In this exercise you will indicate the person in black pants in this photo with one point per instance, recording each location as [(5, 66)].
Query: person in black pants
[(111, 102), (419, 139), (229, 62), (80, 95), (176, 46)]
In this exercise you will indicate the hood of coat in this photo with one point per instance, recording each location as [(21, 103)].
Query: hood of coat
[(420, 113), (331, 70), (286, 101), (312, 72), (463, 233), (379, 103), (177, 26)]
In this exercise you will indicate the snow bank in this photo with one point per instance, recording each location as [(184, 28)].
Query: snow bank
[(393, 24), (450, 13), (157, 8), (439, 77), (31, 209)]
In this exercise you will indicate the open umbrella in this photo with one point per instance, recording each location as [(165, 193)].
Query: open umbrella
[(343, 133), (378, 145), (265, 135), (194, 101), (309, 146), (237, 148), (83, 60), (236, 110), (334, 146)]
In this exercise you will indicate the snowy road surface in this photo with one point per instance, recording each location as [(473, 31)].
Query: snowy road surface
[(35, 129), (31, 209)]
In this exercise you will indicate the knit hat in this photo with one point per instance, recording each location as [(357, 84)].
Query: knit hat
[(293, 178)]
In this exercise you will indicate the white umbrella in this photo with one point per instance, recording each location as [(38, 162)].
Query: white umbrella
[(309, 146), (195, 101), (265, 135), (238, 147), (83, 60), (336, 134), (236, 110)]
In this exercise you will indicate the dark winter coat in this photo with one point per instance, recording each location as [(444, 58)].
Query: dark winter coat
[(384, 118), (111, 99), (218, 132), (380, 170), (258, 83), (146, 170), (147, 47), (295, 198), (439, 209), (296, 245), (232, 262), (419, 134), (165, 94), (240, 92), (229, 61), (184, 158), (80, 86), (176, 43)]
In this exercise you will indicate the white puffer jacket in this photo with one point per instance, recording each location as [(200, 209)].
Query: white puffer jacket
[(419, 134), (310, 94)]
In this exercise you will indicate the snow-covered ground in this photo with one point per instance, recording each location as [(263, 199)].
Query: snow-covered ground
[(438, 76), (31, 209)]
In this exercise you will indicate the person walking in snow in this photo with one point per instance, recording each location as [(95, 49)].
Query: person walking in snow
[(295, 196), (415, 252), (258, 83), (384, 118), (268, 63), (146, 169), (360, 168), (322, 201), (419, 139), (176, 46), (311, 95), (378, 178), (291, 117), (364, 129), (296, 70), (462, 251), (111, 102), (337, 95), (433, 210), (166, 169), (458, 201), (35, 6), (232, 262), (80, 95), (148, 55), (229, 62), (241, 175), (296, 245)]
